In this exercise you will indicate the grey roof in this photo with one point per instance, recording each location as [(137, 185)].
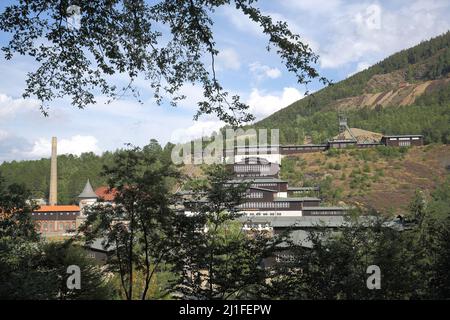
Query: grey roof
[(302, 238), (263, 189), (253, 160), (301, 221), (306, 221), (99, 244), (303, 188), (342, 141), (259, 146), (88, 192), (257, 180), (368, 143), (402, 135), (303, 145), (297, 199), (261, 180), (325, 208)]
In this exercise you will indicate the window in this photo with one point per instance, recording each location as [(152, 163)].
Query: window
[(404, 143), (255, 195)]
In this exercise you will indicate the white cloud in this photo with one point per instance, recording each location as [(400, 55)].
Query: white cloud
[(372, 32), (10, 106), (3, 135), (11, 146), (228, 59), (312, 6), (363, 65), (261, 72), (198, 129), (193, 94), (262, 104), (241, 21), (74, 145)]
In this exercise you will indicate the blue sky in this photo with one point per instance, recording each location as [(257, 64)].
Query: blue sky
[(349, 36)]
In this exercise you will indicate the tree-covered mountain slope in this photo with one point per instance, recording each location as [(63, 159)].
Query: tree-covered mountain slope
[(73, 172), (408, 92)]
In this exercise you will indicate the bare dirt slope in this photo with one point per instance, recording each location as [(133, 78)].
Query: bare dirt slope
[(402, 94)]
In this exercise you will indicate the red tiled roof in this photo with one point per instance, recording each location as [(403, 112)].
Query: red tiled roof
[(57, 208), (105, 193)]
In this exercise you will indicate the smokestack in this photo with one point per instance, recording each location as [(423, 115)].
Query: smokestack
[(53, 198)]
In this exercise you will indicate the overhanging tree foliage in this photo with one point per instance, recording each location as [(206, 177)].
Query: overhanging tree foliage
[(33, 269), (169, 43), (15, 213), (139, 225)]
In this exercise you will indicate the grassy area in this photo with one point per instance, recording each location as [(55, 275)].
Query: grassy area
[(381, 178)]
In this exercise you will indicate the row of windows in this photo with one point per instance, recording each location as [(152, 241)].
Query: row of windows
[(325, 213), (258, 149), (50, 226), (260, 226), (406, 138), (404, 143), (265, 205), (255, 195), (264, 185), (250, 175), (56, 213), (264, 214), (251, 168), (340, 145)]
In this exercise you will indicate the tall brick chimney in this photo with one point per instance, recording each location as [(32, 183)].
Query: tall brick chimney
[(53, 198)]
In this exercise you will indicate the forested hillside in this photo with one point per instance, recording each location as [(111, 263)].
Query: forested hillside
[(73, 171), (408, 92)]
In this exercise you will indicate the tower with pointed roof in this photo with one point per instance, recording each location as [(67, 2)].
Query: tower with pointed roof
[(87, 196)]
